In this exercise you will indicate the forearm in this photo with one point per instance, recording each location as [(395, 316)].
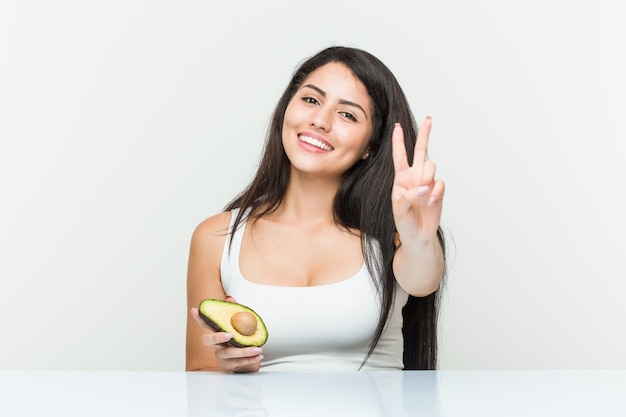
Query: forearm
[(419, 266)]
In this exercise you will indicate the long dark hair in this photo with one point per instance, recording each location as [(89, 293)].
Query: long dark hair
[(363, 201)]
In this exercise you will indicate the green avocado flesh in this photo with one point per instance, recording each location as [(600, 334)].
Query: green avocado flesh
[(242, 322)]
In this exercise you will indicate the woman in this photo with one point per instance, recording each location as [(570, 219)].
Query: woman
[(336, 241)]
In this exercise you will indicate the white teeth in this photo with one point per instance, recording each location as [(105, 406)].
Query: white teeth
[(315, 142)]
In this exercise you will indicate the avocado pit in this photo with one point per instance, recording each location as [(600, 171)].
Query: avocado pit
[(244, 322)]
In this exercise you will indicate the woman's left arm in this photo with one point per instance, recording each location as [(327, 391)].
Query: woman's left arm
[(417, 199)]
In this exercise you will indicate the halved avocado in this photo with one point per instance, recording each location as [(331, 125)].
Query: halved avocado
[(242, 322)]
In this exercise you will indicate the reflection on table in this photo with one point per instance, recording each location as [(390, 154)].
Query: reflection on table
[(280, 394), (383, 393)]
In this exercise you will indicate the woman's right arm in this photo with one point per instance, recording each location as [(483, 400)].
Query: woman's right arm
[(206, 349)]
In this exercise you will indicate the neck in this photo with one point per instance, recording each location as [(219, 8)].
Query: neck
[(309, 200)]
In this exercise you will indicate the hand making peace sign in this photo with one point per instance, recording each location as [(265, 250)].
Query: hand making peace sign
[(416, 196)]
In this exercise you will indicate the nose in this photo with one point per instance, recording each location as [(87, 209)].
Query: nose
[(321, 119)]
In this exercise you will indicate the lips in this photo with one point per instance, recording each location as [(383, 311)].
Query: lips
[(318, 143)]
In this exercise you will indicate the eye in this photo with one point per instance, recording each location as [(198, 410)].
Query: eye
[(310, 100), (348, 116)]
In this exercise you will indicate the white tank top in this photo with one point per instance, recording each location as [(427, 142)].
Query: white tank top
[(317, 328)]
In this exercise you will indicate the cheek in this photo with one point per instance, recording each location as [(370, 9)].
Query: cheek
[(361, 139), (293, 115), (290, 122)]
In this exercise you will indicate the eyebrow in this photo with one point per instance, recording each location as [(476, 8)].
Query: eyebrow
[(341, 101)]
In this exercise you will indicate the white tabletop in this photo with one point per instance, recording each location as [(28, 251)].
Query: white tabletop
[(382, 393)]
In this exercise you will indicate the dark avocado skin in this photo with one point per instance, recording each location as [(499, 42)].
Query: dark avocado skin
[(222, 312)]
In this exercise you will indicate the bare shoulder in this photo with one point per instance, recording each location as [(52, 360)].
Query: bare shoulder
[(213, 228), (207, 243)]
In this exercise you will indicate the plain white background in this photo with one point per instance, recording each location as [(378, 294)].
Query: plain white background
[(123, 124)]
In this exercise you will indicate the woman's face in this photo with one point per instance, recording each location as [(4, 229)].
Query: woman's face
[(328, 122)]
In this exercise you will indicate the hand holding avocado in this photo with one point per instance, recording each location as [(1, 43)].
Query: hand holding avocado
[(236, 333), (245, 325)]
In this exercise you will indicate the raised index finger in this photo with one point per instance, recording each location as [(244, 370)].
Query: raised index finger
[(421, 145)]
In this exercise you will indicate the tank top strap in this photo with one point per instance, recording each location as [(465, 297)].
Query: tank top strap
[(232, 247)]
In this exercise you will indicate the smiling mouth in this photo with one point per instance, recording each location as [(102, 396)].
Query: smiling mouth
[(315, 142)]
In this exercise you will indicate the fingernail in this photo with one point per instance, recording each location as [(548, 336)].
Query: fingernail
[(432, 201), (227, 337), (422, 191), (256, 350)]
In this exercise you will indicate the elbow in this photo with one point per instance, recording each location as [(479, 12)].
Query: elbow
[(425, 289), (425, 285)]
